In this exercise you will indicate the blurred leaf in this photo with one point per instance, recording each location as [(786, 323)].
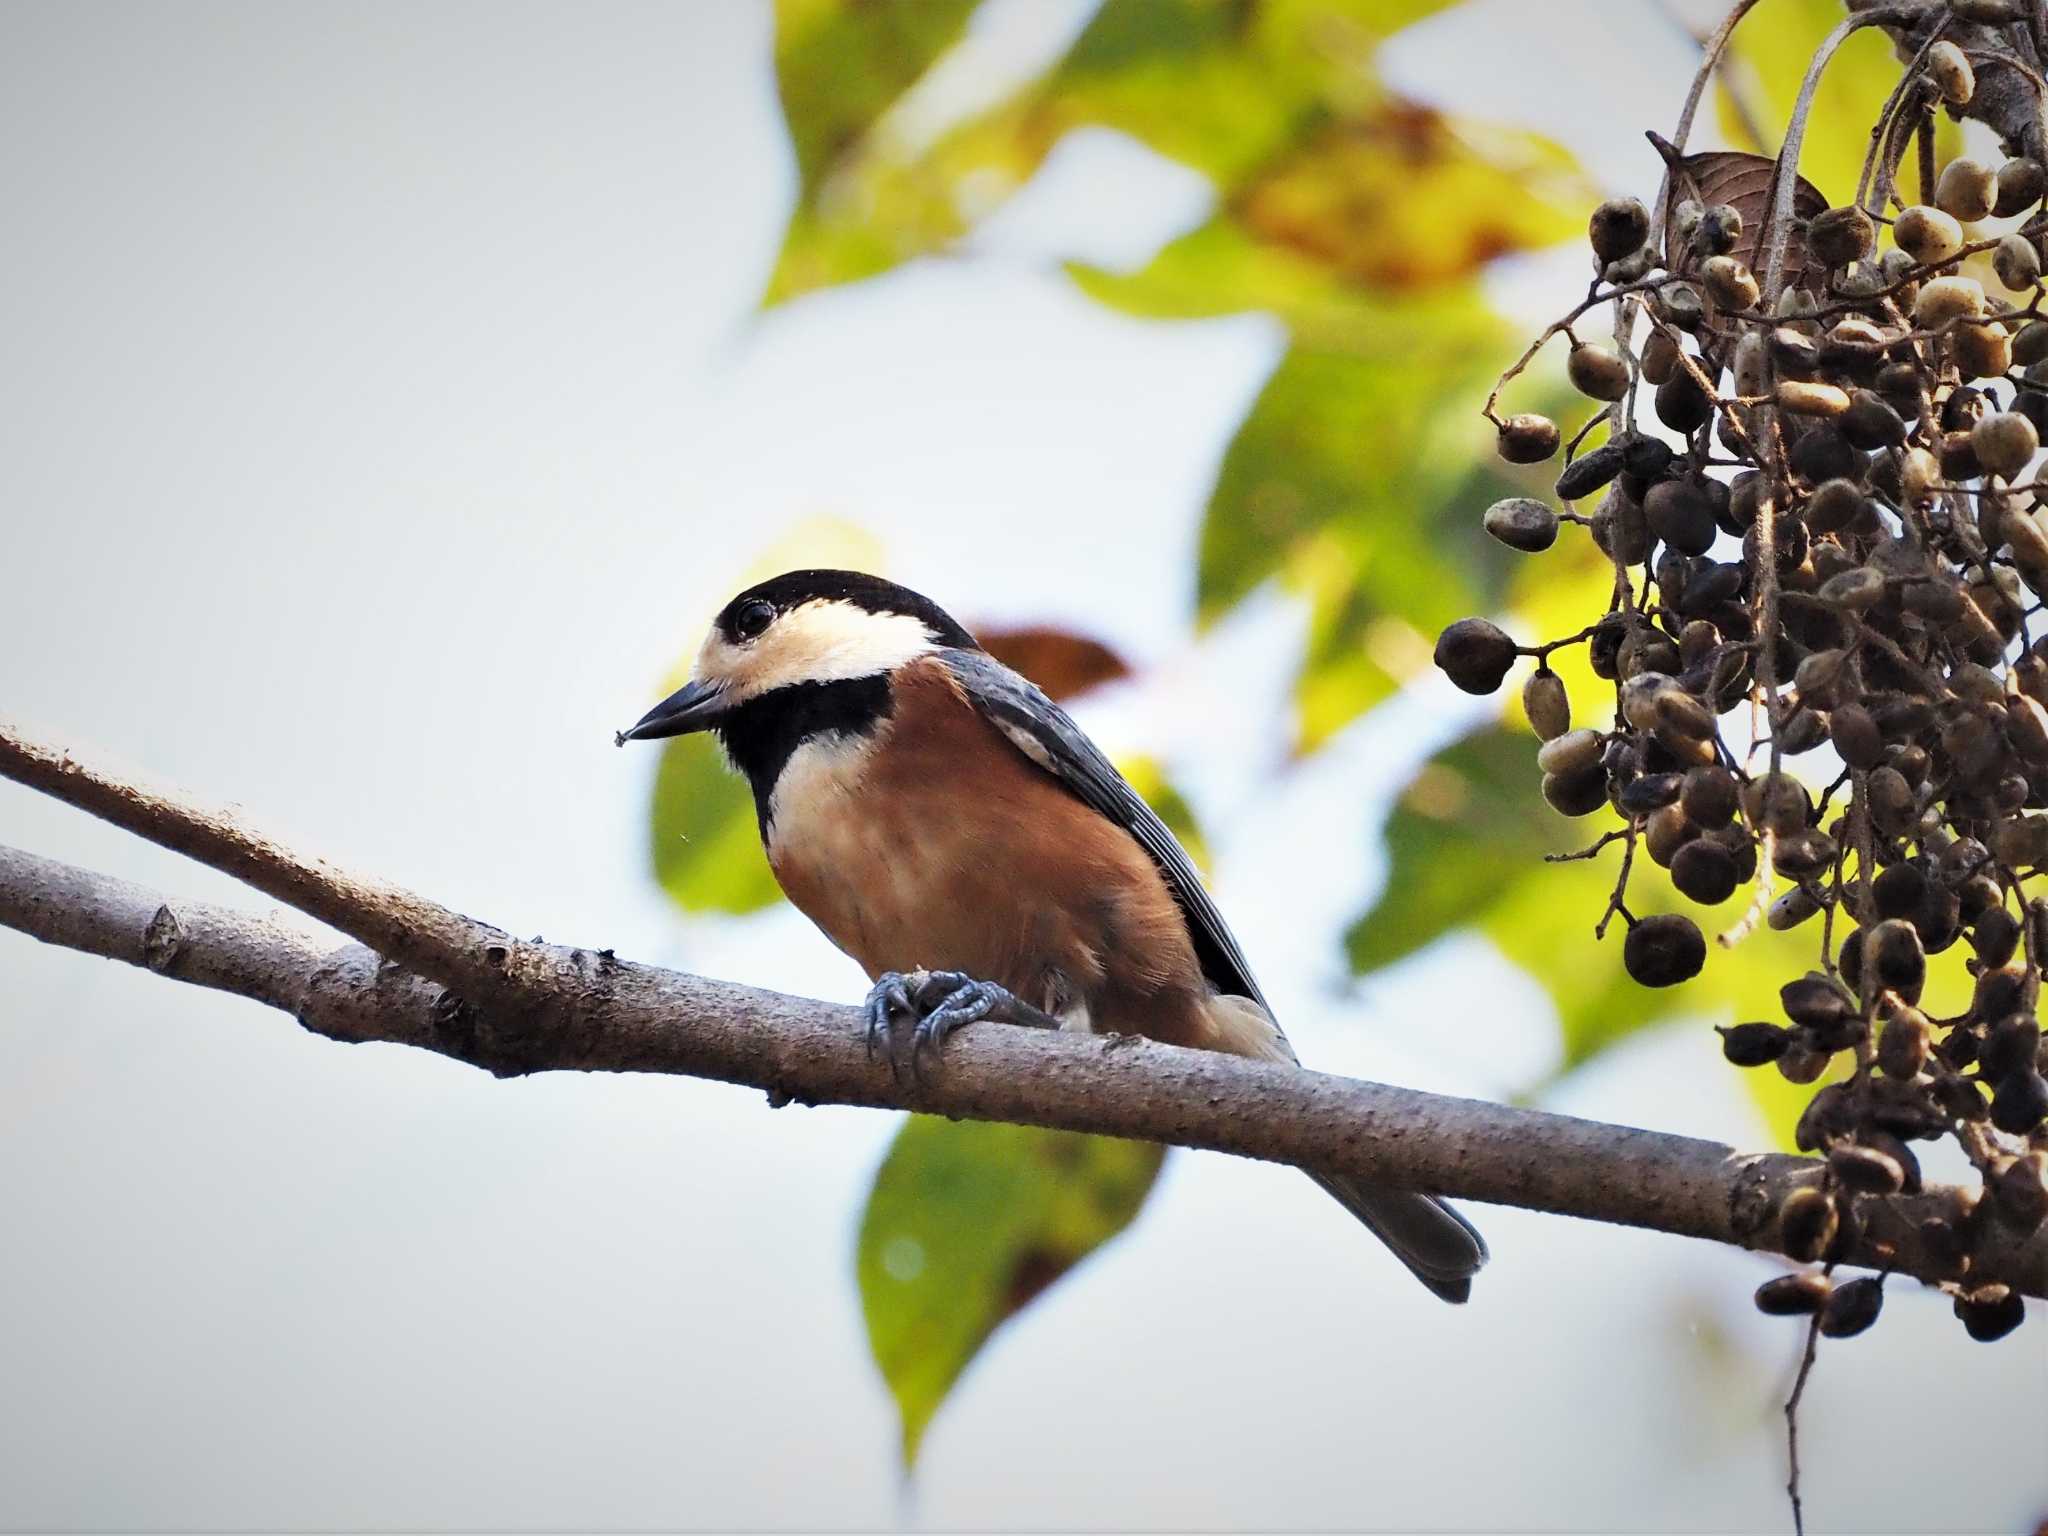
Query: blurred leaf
[(966, 1224), (1397, 198), (1769, 54), (1465, 845), (707, 850), (1062, 663), (1148, 777), (1223, 86), (1352, 479), (840, 64)]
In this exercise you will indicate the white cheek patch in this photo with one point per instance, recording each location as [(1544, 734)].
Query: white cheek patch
[(820, 642)]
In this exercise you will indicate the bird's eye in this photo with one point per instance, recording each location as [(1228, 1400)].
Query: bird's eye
[(752, 619)]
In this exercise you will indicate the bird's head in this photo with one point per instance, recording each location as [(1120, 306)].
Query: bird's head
[(800, 629)]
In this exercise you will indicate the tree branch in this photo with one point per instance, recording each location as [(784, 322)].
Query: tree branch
[(431, 978)]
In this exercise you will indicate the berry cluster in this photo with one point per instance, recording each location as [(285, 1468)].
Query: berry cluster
[(1810, 466)]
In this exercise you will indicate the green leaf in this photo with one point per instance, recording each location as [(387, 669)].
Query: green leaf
[(706, 849), (1466, 843), (1359, 479), (841, 64), (966, 1224)]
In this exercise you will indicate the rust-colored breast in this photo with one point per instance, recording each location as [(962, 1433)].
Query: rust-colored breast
[(935, 843)]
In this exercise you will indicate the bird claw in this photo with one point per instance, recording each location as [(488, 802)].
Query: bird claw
[(939, 1002)]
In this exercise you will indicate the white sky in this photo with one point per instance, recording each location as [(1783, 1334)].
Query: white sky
[(384, 411)]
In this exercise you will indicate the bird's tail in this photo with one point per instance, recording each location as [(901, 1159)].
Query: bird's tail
[(1441, 1248)]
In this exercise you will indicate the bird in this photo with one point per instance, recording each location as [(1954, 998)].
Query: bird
[(950, 827)]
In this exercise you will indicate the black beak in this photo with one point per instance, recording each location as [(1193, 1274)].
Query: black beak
[(692, 707)]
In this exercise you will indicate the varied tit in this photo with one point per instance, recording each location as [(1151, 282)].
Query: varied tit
[(937, 815)]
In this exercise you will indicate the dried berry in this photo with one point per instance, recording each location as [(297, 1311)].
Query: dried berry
[(1522, 523), (2020, 1103), (1800, 1294), (1475, 655), (1949, 68), (1991, 1312), (1928, 235), (1753, 1045), (1806, 1224), (1528, 439), (1852, 1308), (1866, 1170), (1841, 235), (1664, 950), (1966, 189), (1597, 371), (1618, 228), (1545, 703)]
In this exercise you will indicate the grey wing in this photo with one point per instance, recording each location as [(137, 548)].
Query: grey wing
[(1046, 734)]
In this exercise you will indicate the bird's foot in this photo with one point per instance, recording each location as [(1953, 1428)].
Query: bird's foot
[(937, 1003)]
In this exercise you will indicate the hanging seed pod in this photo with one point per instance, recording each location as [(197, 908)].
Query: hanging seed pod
[(1855, 734), (1618, 228), (1990, 1312), (1753, 1045), (1576, 794), (1815, 1002), (1546, 704), (1523, 523), (1679, 303), (1866, 1170), (1597, 372), (1660, 358), (1903, 1044), (1840, 236), (1572, 753), (2020, 1102), (1475, 655), (2005, 443), (1949, 69), (1720, 230), (1809, 399), (1966, 189), (1680, 513), (2020, 1191), (1982, 351), (2011, 1045), (2017, 261), (1871, 423), (1995, 935), (1528, 438), (1946, 299), (1791, 909), (1589, 472), (1898, 958), (1681, 405), (1852, 1308), (1795, 1295), (1806, 1224), (2021, 184), (1928, 235), (1709, 796), (1705, 871), (1729, 283), (1664, 950)]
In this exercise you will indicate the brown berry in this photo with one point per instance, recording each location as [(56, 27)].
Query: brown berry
[(1664, 950), (1475, 655), (1852, 1308), (1795, 1295), (1528, 438)]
